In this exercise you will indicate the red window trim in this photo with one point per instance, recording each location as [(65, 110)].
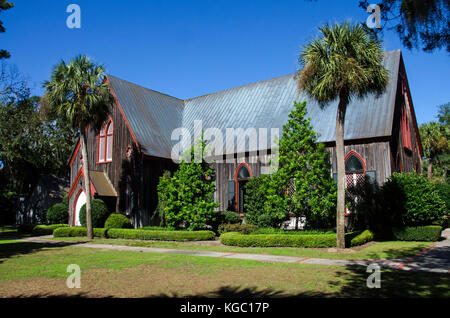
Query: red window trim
[(106, 136), (236, 183), (352, 152)]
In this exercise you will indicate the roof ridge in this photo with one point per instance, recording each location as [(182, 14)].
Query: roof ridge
[(149, 89)]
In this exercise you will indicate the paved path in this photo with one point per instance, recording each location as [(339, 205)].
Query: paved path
[(434, 259)]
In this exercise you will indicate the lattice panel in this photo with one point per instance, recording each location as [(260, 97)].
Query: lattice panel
[(354, 181)]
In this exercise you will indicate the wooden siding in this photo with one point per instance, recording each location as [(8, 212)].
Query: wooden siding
[(375, 153), (403, 159), (225, 171), (114, 170)]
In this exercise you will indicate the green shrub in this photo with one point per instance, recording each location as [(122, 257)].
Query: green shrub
[(188, 196), (419, 233), (411, 200), (229, 217), (161, 235), (46, 229), (224, 217), (278, 240), (241, 228), (359, 238), (58, 214), (78, 232), (99, 213), (321, 240), (444, 193), (117, 221), (255, 198)]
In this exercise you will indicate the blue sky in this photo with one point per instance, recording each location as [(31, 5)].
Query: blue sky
[(194, 47)]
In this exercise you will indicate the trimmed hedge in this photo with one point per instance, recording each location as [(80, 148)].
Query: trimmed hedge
[(278, 240), (137, 234), (78, 231), (418, 233), (161, 235), (46, 229), (292, 240), (359, 238), (117, 221)]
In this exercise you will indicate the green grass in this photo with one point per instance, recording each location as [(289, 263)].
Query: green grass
[(392, 249), (33, 269)]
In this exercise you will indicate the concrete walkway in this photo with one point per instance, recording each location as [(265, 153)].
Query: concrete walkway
[(434, 259)]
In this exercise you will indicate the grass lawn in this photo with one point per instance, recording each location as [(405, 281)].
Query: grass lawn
[(37, 270), (392, 249)]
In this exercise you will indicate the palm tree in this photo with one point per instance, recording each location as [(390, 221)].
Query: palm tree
[(77, 93), (435, 142), (345, 62)]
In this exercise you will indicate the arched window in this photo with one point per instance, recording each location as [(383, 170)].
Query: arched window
[(241, 176), (354, 164), (355, 169), (105, 143)]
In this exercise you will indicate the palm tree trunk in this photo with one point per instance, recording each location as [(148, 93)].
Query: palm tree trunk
[(430, 169), (340, 154), (87, 183)]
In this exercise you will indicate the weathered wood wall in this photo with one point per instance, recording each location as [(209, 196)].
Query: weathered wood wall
[(404, 160), (375, 153), (116, 169)]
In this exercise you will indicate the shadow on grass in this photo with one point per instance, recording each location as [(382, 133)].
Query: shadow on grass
[(239, 292), (221, 292), (22, 247), (401, 283), (394, 284)]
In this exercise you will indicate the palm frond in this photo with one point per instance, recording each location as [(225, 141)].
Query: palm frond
[(345, 58)]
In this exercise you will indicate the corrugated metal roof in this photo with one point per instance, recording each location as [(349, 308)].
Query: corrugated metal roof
[(152, 116), (266, 104)]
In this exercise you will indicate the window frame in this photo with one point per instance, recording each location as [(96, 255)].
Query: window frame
[(106, 136)]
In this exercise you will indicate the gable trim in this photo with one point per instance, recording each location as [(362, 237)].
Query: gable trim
[(74, 154), (74, 184), (121, 112), (411, 107)]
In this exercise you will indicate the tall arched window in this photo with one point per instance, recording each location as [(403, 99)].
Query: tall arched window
[(105, 143), (241, 177), (355, 169)]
